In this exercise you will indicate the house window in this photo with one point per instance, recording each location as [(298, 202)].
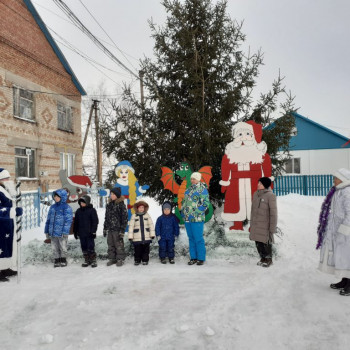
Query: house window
[(23, 104), (67, 162), (64, 117), (25, 162), (293, 166)]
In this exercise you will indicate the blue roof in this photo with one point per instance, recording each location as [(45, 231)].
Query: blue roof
[(311, 136), (54, 46)]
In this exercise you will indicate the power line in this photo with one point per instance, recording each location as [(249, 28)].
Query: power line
[(82, 27), (104, 41), (106, 33)]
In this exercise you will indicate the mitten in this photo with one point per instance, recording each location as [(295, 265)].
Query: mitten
[(19, 211), (159, 238), (105, 233), (94, 235), (75, 235)]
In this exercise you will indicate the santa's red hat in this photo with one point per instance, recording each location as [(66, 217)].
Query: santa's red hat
[(80, 181)]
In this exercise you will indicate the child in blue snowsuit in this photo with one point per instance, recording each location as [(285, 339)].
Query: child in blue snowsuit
[(167, 228), (58, 223)]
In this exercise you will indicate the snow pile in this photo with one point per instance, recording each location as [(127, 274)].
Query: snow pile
[(229, 303)]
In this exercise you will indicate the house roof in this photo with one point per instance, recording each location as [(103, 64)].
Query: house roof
[(54, 46), (311, 136)]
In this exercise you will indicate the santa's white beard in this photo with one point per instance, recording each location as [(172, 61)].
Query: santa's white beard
[(10, 187), (240, 154)]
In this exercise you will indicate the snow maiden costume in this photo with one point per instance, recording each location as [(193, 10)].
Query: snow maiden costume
[(334, 232), (127, 182)]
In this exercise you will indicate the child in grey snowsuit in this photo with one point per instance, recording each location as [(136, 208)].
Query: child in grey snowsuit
[(116, 220)]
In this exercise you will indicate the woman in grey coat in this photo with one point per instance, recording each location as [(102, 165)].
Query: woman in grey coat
[(334, 231), (263, 220)]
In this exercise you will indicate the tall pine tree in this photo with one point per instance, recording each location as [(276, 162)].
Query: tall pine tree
[(199, 84)]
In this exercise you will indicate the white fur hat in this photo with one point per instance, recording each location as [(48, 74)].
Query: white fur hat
[(196, 176), (342, 174), (4, 174)]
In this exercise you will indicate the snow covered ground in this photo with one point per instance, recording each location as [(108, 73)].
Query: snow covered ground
[(229, 303)]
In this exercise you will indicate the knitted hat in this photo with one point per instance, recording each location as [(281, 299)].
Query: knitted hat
[(196, 176), (342, 174), (117, 191), (166, 205), (265, 181), (4, 174)]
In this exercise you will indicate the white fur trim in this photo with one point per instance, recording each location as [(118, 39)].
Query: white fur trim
[(241, 126), (141, 190), (4, 174), (224, 183), (345, 230), (342, 174), (77, 185)]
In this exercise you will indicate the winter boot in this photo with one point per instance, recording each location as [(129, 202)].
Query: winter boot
[(57, 263), (86, 262), (172, 261), (261, 261), (339, 285), (346, 290), (136, 263), (200, 262), (144, 262), (163, 261), (92, 259), (111, 262), (9, 273), (120, 262), (64, 262), (267, 262), (192, 262), (3, 278)]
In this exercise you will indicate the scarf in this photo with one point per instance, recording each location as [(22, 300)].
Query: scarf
[(323, 219)]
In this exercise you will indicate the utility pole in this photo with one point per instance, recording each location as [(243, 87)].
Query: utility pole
[(88, 126), (98, 144)]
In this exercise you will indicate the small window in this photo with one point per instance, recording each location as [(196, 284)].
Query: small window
[(293, 166), (23, 104), (64, 117), (25, 162), (67, 162)]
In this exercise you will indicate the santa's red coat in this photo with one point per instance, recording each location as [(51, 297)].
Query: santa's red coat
[(230, 172)]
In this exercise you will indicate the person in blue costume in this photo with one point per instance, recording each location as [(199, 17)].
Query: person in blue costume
[(167, 228), (130, 188)]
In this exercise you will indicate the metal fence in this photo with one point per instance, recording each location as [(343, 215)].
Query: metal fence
[(307, 185)]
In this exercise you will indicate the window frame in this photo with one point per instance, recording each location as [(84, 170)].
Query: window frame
[(31, 162), (21, 95), (64, 117), (291, 163), (67, 162)]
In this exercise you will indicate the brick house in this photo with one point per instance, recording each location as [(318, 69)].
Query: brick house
[(40, 101)]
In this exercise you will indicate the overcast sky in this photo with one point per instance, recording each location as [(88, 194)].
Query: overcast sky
[(308, 41)]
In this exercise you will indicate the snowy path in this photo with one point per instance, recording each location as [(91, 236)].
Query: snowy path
[(225, 304)]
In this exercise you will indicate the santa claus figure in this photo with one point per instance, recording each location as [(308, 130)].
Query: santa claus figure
[(244, 163)]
